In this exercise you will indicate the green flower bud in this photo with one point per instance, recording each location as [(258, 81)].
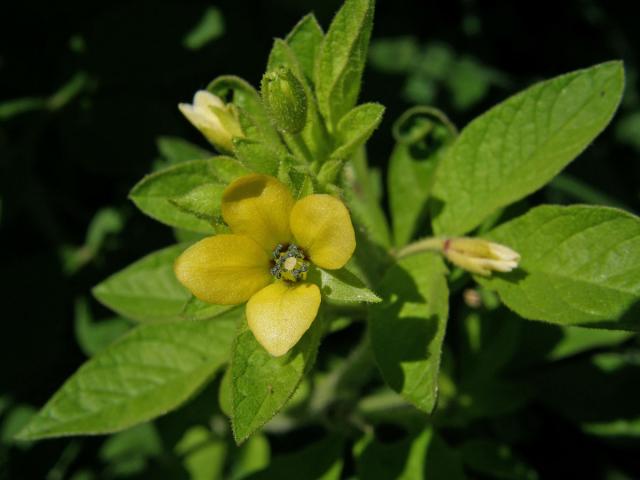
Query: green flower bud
[(285, 100)]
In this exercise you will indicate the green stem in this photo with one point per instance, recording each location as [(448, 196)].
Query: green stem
[(429, 244)]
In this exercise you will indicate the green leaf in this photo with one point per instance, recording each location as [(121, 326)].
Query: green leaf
[(177, 150), (202, 202), (209, 28), (196, 309), (579, 266), (252, 456), (305, 40), (258, 156), (95, 336), (360, 196), (415, 458), (407, 329), (342, 286), (227, 169), (340, 61), (140, 441), (422, 133), (203, 454), (147, 373), (521, 144), (146, 290), (322, 460), (262, 384), (153, 193), (355, 128)]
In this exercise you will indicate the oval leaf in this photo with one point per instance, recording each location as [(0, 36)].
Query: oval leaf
[(408, 327), (580, 265), (521, 144), (145, 374)]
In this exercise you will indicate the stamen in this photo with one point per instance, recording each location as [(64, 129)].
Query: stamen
[(289, 263)]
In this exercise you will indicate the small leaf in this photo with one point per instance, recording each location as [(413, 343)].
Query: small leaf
[(146, 290), (407, 329), (305, 40), (259, 157), (153, 193), (177, 150), (340, 61), (203, 202), (262, 384), (422, 134), (145, 374), (94, 336), (361, 199), (579, 266), (355, 128), (342, 286), (519, 145)]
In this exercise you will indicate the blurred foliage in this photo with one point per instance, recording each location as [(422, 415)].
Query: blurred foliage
[(85, 90)]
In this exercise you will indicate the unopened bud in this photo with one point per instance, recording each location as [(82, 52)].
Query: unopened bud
[(285, 100), (480, 256), (215, 120)]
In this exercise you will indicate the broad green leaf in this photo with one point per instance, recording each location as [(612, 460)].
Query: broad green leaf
[(577, 340), (321, 460), (196, 309), (495, 460), (148, 372), (202, 202), (153, 193), (262, 384), (257, 156), (408, 327), (355, 128), (341, 58), (422, 133), (423, 456), (305, 40), (146, 290), (342, 286), (227, 169), (177, 150), (521, 144), (94, 336), (579, 266), (360, 196)]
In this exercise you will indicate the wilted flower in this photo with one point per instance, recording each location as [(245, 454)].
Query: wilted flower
[(215, 120), (275, 242), (480, 256)]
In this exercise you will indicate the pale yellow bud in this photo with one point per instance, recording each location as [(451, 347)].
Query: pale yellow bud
[(215, 120), (480, 256)]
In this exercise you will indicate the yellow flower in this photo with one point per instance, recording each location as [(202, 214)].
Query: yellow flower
[(265, 260), (215, 120), (480, 256)]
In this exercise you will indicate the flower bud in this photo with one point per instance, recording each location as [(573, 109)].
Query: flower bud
[(480, 256), (215, 120), (285, 100)]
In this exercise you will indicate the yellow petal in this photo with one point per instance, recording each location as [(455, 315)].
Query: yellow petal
[(278, 315), (321, 225), (225, 269), (258, 206)]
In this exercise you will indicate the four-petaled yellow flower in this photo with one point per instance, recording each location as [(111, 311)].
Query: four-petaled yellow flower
[(265, 260)]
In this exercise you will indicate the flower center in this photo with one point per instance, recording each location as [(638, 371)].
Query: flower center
[(289, 263)]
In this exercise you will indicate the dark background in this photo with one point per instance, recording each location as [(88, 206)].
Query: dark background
[(64, 158)]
